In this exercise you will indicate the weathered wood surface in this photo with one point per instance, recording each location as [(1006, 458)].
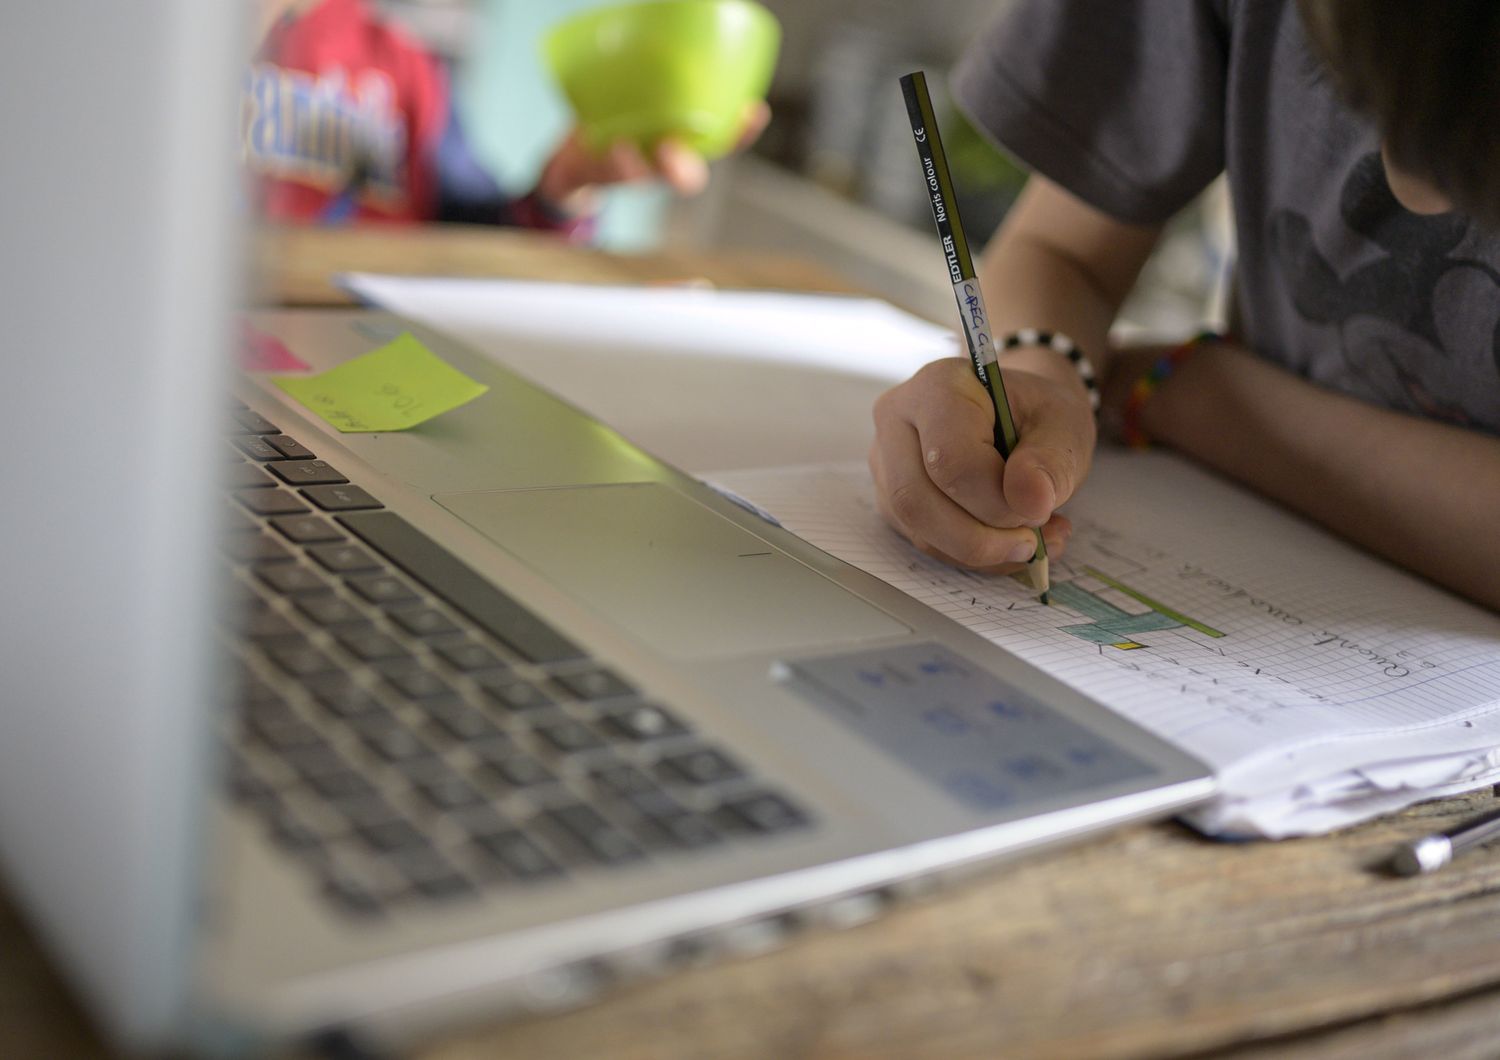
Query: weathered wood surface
[(1150, 943), (296, 266)]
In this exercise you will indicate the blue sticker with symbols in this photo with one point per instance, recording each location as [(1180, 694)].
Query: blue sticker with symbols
[(986, 743)]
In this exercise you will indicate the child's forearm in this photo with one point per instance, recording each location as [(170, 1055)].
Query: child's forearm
[(1424, 494), (1058, 265)]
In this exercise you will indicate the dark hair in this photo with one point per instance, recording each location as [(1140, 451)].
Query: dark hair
[(1428, 73)]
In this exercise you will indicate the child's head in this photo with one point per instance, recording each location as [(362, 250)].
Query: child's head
[(1429, 75)]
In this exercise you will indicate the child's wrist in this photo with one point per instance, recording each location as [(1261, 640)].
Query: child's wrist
[(1051, 354), (1135, 430)]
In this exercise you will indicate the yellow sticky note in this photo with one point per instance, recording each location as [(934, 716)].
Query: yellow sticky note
[(395, 387)]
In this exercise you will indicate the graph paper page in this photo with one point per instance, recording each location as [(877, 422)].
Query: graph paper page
[(1284, 657)]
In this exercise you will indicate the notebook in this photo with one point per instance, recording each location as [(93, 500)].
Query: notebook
[(1324, 685)]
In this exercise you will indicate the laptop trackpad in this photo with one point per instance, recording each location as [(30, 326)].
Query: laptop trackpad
[(683, 578)]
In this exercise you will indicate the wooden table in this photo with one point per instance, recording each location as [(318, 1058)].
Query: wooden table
[(1151, 942), (295, 266)]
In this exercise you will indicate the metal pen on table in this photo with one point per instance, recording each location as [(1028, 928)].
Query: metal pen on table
[(966, 290), (1432, 852)]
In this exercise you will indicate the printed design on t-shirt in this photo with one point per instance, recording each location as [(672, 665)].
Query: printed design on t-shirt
[(325, 132), (1419, 328)]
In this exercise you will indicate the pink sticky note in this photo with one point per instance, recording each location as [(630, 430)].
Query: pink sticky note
[(262, 352)]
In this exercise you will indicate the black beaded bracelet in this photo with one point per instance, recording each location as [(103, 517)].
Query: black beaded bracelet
[(1056, 340)]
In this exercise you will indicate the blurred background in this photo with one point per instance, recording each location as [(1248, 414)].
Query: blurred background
[(834, 177)]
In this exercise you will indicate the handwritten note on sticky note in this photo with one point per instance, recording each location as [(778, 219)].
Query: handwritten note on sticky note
[(395, 387)]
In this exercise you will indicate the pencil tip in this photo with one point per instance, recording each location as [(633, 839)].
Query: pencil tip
[(1047, 598)]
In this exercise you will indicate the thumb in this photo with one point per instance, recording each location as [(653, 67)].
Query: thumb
[(1047, 465)]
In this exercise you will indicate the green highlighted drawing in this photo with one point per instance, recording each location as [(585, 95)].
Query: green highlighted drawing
[(1114, 626)]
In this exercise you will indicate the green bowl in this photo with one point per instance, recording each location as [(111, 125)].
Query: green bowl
[(641, 72)]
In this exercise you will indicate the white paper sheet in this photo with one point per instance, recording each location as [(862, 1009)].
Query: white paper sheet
[(700, 378), (1323, 685)]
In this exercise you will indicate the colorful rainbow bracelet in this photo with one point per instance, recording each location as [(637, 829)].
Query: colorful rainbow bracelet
[(1131, 431)]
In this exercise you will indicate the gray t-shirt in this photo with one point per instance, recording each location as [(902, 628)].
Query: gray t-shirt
[(1135, 106)]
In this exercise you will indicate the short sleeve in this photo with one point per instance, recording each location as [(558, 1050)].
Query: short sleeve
[(1121, 102)]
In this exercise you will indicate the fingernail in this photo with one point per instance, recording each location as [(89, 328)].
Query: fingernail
[(932, 456), (1052, 479), (1021, 551)]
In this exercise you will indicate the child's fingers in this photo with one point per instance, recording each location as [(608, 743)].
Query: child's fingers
[(681, 167), (1055, 535), (757, 117), (955, 444), (911, 503)]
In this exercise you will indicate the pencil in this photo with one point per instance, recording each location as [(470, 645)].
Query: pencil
[(966, 290)]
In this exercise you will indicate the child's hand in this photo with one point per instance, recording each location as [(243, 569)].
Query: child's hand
[(574, 170), (940, 480)]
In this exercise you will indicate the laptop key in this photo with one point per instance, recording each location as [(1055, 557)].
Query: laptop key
[(280, 734), (518, 854), (327, 610), (418, 683), (246, 476), (764, 812), (431, 873), (452, 581), (237, 522), (364, 811), (686, 829), (512, 692), (289, 447), (468, 656), (251, 422), (341, 697), (518, 770), (568, 736), (422, 621), (381, 588), (293, 833), (267, 625), (393, 742), (253, 549), (392, 834), (256, 447), (621, 779), (270, 502), (311, 762), (352, 894), (588, 828), (292, 579), (700, 766), (340, 498), (595, 684), (644, 722), (343, 559), (300, 660), (341, 785), (460, 721), (370, 644), (449, 792), (307, 529), (306, 472)]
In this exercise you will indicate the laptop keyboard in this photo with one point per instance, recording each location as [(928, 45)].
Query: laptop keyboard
[(411, 733)]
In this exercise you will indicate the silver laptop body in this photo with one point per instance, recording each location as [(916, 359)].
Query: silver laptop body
[(885, 743)]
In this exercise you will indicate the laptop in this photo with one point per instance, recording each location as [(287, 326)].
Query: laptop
[(310, 734)]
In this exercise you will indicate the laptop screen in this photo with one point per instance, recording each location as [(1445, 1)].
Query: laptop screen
[(116, 269)]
